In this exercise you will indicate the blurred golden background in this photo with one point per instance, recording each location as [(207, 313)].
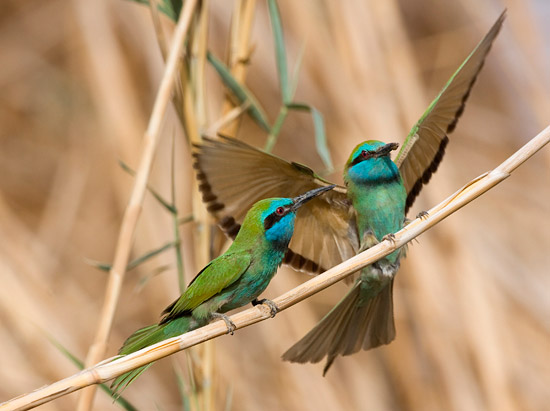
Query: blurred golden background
[(472, 299)]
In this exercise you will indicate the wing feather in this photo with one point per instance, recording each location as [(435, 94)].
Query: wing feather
[(233, 176), (425, 145), (219, 274)]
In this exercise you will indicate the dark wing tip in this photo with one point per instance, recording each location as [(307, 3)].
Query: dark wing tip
[(208, 196), (427, 175), (452, 125), (300, 263), (491, 35), (417, 186), (168, 315), (229, 226), (496, 28)]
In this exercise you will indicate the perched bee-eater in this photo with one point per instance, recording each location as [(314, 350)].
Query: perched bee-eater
[(373, 204), (231, 280)]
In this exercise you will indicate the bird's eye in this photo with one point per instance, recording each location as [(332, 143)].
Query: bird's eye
[(364, 153), (280, 210)]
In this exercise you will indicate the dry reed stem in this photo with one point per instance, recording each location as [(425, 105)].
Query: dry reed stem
[(239, 52), (240, 34), (190, 104), (195, 117), (229, 117), (110, 369), (131, 215), (159, 32)]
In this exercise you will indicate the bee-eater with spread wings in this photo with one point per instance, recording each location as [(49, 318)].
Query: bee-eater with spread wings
[(330, 229)]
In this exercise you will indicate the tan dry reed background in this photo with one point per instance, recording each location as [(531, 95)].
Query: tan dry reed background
[(113, 367), (473, 298)]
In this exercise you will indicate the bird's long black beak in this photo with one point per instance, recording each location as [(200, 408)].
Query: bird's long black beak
[(386, 149), (304, 198)]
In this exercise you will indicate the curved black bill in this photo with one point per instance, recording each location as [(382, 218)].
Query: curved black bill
[(386, 149), (304, 198)]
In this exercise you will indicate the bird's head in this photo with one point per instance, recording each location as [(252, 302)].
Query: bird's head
[(274, 217), (370, 162)]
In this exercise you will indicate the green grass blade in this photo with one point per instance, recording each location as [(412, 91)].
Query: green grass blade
[(229, 398), (145, 279), (280, 51), (97, 264), (171, 8), (122, 382), (276, 129), (321, 138), (150, 254), (157, 196), (320, 134), (185, 219), (133, 263), (240, 92), (175, 218), (80, 365), (296, 71), (181, 387)]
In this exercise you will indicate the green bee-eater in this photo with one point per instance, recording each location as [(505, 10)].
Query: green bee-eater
[(331, 229), (231, 280)]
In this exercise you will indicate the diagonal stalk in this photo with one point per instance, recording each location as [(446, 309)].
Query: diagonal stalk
[(132, 212), (110, 369)]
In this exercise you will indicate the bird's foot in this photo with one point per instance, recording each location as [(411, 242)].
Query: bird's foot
[(231, 327), (272, 306), (369, 240), (423, 215), (390, 237)]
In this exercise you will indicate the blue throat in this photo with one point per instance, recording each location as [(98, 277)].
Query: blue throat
[(375, 171), (280, 233), (376, 190)]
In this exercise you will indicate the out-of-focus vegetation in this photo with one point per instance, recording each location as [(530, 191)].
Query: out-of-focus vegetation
[(472, 300)]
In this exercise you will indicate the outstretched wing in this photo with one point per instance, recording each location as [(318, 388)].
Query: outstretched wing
[(220, 273), (233, 176), (425, 145)]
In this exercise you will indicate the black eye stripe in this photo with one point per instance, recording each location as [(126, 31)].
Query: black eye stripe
[(357, 159), (272, 218), (361, 158)]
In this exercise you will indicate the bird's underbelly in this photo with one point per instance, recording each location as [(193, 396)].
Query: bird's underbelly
[(380, 212), (248, 288)]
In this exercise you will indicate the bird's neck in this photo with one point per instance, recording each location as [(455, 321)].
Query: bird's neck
[(259, 245), (373, 172)]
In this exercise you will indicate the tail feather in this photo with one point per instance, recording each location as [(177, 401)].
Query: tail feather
[(351, 325), (145, 337), (381, 328), (317, 343), (122, 381), (140, 339)]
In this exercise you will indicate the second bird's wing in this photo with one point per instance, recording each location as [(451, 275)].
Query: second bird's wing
[(233, 176), (425, 145), (220, 273)]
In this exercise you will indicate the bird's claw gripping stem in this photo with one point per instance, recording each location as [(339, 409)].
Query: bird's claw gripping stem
[(272, 306), (423, 215), (231, 327), (390, 237)]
